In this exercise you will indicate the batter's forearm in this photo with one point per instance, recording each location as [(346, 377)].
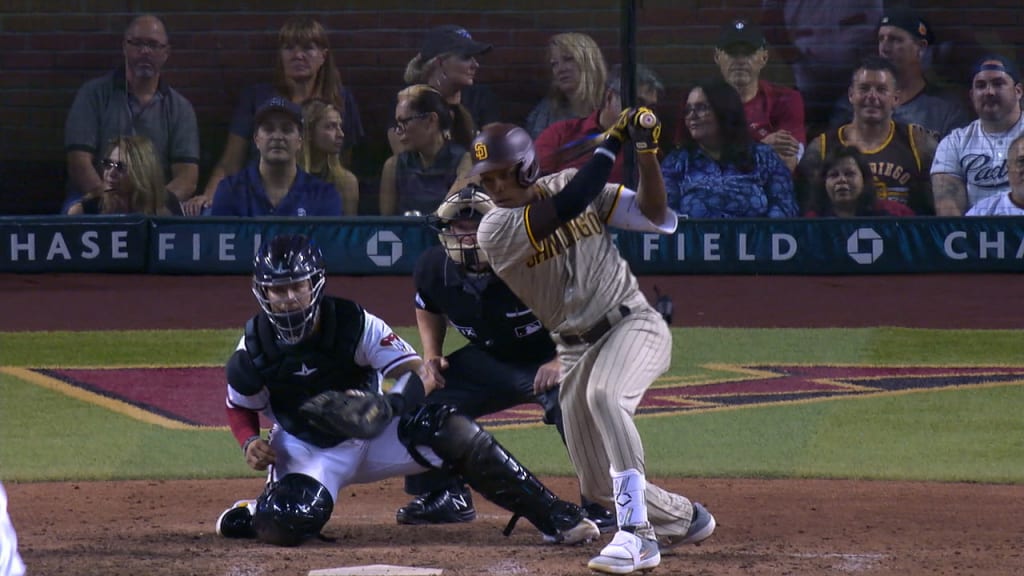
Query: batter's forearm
[(549, 214), (651, 195)]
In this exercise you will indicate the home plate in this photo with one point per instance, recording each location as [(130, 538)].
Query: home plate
[(377, 570)]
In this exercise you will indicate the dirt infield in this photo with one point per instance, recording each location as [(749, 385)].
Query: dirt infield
[(767, 527)]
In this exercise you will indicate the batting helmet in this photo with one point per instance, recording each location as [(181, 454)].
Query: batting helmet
[(283, 260), (469, 203), (500, 146)]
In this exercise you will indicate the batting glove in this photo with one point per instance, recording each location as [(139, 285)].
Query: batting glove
[(620, 130), (644, 130)]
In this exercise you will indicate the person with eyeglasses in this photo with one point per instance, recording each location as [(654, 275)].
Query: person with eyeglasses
[(414, 181), (133, 101), (305, 68), (720, 171), (133, 182)]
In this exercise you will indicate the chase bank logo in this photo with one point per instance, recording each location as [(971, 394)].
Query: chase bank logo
[(384, 248), (864, 246)]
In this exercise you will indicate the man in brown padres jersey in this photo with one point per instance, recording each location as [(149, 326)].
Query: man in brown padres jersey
[(900, 154), (547, 239)]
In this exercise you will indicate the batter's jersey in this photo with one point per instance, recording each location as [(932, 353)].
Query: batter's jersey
[(900, 175), (482, 308), (351, 349), (570, 279), (978, 158), (996, 205)]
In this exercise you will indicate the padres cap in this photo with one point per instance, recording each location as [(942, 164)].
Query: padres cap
[(500, 145), (998, 63), (279, 104), (908, 20), (741, 32), (451, 38)]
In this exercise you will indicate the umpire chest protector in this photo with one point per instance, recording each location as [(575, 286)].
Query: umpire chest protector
[(293, 374)]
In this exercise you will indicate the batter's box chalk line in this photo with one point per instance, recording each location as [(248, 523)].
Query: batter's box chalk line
[(377, 570)]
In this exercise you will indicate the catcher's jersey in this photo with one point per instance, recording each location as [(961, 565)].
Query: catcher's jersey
[(570, 279), (351, 349), (977, 157)]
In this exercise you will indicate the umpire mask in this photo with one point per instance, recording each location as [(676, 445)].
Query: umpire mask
[(288, 282), (455, 222)]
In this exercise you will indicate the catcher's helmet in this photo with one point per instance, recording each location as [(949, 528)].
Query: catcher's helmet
[(469, 203), (283, 260), (502, 145)]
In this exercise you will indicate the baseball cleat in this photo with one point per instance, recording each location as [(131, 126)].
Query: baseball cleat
[(603, 517), (236, 522), (625, 554), (584, 531), (702, 526), (447, 506)]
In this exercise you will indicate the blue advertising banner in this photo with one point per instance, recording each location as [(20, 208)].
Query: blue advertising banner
[(381, 246)]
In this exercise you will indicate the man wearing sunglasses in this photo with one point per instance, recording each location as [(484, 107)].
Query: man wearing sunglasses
[(133, 101)]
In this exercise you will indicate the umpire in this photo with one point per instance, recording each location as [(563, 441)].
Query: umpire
[(509, 360)]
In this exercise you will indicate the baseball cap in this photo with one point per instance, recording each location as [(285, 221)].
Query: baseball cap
[(741, 32), (451, 38), (279, 104), (908, 20), (996, 62)]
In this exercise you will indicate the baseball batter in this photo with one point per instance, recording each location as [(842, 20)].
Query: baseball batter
[(547, 240)]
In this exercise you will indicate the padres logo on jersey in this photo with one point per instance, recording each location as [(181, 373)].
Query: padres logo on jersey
[(565, 237)]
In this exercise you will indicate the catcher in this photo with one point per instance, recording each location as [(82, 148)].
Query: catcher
[(313, 365)]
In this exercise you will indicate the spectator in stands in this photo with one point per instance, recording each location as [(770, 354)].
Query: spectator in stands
[(414, 181), (133, 100), (133, 182), (275, 185), (970, 164), (578, 76), (847, 189), (775, 114), (447, 62), (305, 69), (1007, 203), (569, 143), (720, 172), (900, 154), (903, 40), (321, 151)]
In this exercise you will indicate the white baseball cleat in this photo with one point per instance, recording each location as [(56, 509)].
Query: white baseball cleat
[(625, 554), (702, 526)]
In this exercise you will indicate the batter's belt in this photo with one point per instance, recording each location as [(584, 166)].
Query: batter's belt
[(595, 332)]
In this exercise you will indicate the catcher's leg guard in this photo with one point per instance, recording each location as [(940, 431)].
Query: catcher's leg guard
[(292, 510), (491, 470)]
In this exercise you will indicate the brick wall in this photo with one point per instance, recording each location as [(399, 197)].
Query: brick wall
[(50, 47)]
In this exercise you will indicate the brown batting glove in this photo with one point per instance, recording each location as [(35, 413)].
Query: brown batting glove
[(644, 130)]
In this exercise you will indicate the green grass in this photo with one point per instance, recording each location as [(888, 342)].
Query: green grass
[(971, 434)]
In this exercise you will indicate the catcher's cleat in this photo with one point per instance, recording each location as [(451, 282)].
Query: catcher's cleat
[(236, 522), (584, 531), (625, 554), (447, 506), (702, 526), (603, 517)]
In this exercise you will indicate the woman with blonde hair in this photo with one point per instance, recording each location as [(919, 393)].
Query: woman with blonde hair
[(429, 129), (304, 68), (578, 74), (321, 146), (133, 182)]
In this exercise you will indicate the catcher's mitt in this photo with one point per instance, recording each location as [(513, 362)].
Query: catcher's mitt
[(351, 413)]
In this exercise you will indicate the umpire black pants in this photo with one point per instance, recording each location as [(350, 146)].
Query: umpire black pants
[(478, 384)]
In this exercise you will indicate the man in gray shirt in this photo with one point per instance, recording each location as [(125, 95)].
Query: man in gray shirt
[(133, 101)]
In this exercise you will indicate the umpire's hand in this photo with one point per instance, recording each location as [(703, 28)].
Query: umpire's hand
[(432, 376), (259, 454), (548, 376)]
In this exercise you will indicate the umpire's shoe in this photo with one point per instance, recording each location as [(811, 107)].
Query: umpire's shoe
[(447, 506), (236, 522)]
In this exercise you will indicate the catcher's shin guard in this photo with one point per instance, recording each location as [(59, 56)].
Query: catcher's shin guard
[(490, 469), (292, 510)]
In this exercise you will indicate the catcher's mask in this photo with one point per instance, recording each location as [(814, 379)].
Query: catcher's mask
[(469, 204), (288, 282)]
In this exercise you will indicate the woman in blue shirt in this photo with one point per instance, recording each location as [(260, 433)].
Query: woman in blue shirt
[(719, 172)]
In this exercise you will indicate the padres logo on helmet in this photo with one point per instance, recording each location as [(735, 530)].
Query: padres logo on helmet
[(480, 151)]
